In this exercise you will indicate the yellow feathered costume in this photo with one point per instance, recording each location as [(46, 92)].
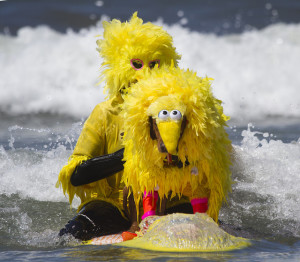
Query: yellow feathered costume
[(101, 133), (170, 96)]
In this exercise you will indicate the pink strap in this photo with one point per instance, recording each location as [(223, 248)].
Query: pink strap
[(196, 201), (149, 213), (150, 194)]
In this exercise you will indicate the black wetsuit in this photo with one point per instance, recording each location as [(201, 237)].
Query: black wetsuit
[(99, 218), (96, 218)]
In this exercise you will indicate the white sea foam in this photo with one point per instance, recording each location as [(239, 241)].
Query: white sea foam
[(45, 71), (31, 172), (256, 73), (270, 168)]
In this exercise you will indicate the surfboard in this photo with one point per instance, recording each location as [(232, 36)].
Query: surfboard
[(178, 233), (105, 240)]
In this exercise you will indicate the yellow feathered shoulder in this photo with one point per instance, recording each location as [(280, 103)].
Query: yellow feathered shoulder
[(173, 113)]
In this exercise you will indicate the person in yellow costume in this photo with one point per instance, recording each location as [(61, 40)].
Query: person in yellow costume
[(94, 170)]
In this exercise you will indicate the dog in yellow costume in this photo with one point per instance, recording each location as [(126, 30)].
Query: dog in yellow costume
[(127, 49), (175, 141)]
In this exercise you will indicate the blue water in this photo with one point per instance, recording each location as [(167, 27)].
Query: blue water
[(48, 74)]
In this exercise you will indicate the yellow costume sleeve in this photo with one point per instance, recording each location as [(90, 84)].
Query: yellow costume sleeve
[(99, 136)]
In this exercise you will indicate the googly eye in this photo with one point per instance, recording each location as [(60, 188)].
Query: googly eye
[(163, 114), (175, 115)]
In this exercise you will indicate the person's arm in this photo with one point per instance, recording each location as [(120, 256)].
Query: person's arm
[(98, 168), (90, 144)]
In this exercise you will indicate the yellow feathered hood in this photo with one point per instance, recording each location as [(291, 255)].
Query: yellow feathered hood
[(204, 141), (132, 40)]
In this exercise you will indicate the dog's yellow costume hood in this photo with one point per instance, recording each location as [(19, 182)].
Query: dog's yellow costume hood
[(204, 141), (132, 40)]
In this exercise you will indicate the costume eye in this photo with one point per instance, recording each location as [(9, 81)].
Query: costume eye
[(136, 64), (175, 115), (153, 63), (163, 114)]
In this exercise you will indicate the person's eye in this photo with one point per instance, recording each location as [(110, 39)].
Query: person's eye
[(136, 64), (153, 63)]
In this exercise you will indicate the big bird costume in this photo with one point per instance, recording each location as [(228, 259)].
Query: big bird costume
[(127, 49), (175, 141)]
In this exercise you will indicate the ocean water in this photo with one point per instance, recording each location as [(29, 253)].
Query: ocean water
[(49, 72)]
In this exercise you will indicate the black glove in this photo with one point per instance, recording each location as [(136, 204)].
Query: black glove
[(98, 168)]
